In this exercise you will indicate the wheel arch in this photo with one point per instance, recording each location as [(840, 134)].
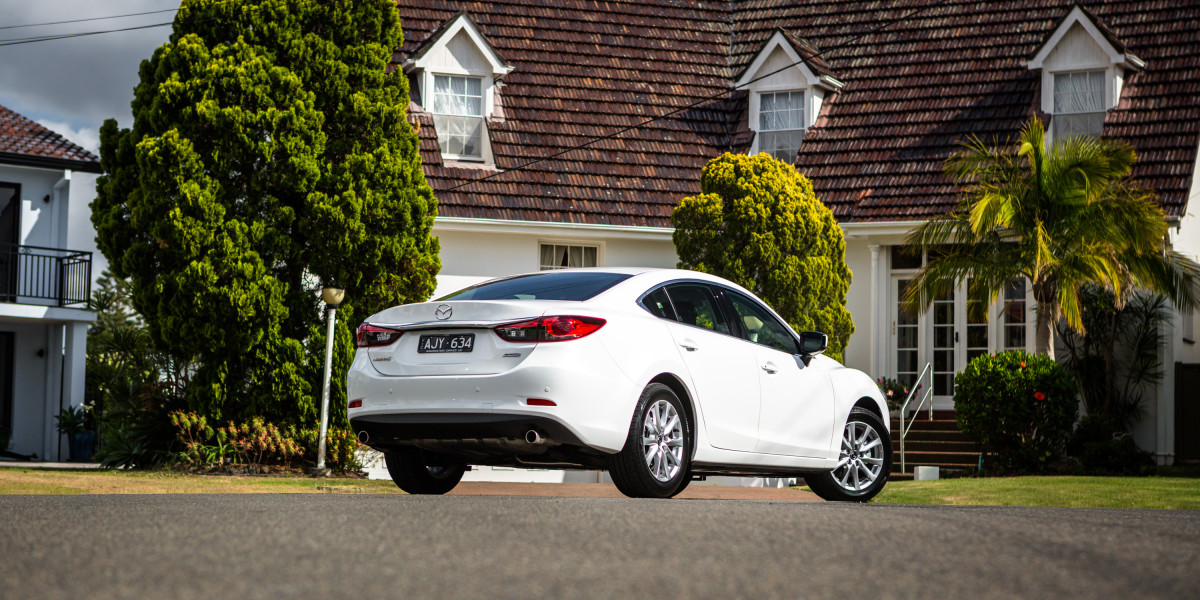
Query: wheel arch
[(689, 404), (868, 403)]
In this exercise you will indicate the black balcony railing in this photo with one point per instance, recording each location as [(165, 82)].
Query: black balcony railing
[(36, 275)]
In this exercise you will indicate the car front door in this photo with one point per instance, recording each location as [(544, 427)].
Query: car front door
[(796, 401), (723, 367)]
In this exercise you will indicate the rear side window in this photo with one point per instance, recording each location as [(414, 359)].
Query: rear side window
[(659, 305), (574, 286), (695, 304)]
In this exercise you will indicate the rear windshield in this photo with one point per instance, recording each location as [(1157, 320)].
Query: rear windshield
[(572, 286)]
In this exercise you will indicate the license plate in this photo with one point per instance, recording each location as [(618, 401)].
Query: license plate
[(437, 343)]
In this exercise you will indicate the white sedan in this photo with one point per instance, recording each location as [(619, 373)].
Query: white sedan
[(658, 376)]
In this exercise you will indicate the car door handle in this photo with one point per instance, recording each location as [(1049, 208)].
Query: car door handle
[(688, 346), (770, 368)]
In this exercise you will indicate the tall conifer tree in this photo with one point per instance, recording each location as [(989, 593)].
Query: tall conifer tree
[(269, 155)]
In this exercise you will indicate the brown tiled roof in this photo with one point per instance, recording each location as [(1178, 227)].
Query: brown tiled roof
[(25, 142), (584, 70)]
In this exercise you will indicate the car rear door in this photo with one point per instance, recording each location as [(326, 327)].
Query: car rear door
[(722, 367)]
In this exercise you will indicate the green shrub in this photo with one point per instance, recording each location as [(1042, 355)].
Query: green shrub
[(340, 447), (1019, 407), (1101, 450), (257, 442)]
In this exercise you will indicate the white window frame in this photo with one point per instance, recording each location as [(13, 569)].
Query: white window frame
[(598, 246), (1105, 94), (797, 79), (483, 134), (925, 328), (804, 118), (439, 59)]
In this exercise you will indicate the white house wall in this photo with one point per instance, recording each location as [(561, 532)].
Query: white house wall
[(471, 254), (859, 301)]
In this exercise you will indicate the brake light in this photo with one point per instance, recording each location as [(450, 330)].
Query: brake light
[(355, 404), (370, 336), (550, 329)]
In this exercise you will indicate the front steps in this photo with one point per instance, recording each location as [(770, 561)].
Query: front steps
[(936, 443)]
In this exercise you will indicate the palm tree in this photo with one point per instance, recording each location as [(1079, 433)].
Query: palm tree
[(1059, 217)]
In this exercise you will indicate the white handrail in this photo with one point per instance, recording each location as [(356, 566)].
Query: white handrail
[(904, 408)]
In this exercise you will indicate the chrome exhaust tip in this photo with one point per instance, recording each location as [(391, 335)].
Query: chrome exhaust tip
[(533, 437), (364, 437)]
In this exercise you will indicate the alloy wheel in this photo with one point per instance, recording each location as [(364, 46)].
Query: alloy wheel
[(662, 440), (861, 459)]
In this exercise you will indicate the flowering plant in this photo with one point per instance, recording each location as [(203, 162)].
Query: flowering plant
[(893, 391)]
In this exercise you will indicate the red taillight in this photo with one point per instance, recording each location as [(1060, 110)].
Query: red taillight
[(370, 336), (550, 329), (355, 404), (539, 402)]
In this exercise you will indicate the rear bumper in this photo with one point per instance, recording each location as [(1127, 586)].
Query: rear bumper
[(389, 429), (593, 399)]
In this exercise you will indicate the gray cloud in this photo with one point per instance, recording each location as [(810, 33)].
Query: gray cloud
[(77, 83)]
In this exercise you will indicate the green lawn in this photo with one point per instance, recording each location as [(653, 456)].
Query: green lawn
[(1065, 491), (54, 481)]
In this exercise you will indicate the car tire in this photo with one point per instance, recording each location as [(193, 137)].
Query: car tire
[(656, 459), (412, 472), (864, 462)]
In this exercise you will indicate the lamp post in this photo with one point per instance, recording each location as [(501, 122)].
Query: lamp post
[(332, 297)]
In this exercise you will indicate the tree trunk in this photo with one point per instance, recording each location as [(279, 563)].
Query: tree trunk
[(1044, 339), (1044, 342)]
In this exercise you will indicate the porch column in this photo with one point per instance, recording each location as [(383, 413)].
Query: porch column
[(878, 312), (74, 362), (52, 355)]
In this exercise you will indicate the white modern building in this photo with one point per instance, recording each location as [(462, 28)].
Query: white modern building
[(46, 184)]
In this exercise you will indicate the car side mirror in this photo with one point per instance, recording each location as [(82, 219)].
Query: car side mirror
[(813, 343)]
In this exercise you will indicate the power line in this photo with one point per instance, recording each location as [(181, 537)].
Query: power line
[(149, 12), (49, 38), (64, 36), (696, 103)]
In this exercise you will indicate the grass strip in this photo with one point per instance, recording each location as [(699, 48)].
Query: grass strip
[(1178, 493), (66, 481)]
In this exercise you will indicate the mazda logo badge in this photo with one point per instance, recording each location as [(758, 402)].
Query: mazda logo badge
[(443, 312)]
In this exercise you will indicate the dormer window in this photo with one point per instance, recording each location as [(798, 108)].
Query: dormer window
[(1078, 104), (455, 75), (781, 124), (787, 82), (1083, 67), (458, 116)]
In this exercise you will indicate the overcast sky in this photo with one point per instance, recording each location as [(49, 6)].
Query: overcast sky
[(73, 85)]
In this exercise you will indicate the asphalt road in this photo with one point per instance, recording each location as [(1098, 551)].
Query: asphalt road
[(373, 546)]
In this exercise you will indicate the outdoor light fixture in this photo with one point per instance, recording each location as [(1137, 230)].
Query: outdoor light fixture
[(332, 296)]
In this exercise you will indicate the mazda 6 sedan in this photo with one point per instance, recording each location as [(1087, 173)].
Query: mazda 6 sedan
[(657, 376)]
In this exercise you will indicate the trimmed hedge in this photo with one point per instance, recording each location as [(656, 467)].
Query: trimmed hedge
[(1019, 407)]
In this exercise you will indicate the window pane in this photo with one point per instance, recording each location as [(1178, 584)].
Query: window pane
[(1070, 125), (574, 286), (458, 85), (546, 261), (696, 305), (589, 256), (768, 103), (441, 84), (473, 85), (761, 327), (658, 304), (576, 256)]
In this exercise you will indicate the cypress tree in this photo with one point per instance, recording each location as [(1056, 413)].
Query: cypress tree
[(759, 224), (269, 155)]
